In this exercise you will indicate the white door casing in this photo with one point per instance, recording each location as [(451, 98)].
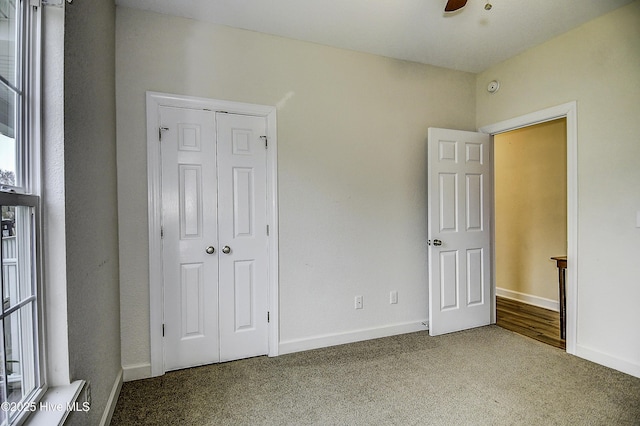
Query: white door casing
[(157, 102), (459, 228), (569, 111), (190, 225), (243, 233)]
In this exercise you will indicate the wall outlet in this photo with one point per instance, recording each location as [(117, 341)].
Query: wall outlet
[(358, 302), (393, 297)]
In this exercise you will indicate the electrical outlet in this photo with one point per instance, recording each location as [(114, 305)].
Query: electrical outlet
[(358, 302), (393, 297)]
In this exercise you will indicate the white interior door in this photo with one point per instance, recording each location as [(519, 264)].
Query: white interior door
[(242, 203), (459, 211), (215, 264), (190, 227)]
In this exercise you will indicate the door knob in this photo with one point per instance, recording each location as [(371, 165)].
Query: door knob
[(226, 250), (210, 250), (437, 243)]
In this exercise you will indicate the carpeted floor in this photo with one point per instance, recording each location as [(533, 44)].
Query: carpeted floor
[(484, 376)]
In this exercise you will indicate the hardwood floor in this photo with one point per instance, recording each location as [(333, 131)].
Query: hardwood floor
[(531, 321)]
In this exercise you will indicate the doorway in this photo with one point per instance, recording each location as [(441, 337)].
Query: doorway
[(530, 195), (568, 111), (212, 231)]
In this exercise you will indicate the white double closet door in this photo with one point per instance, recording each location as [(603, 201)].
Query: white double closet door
[(214, 236)]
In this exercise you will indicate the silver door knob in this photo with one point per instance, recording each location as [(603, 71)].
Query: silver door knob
[(226, 250), (210, 250), (437, 243)]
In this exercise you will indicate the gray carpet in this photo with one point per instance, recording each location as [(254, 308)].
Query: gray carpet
[(485, 376)]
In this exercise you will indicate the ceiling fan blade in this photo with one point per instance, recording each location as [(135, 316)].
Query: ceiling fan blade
[(453, 5)]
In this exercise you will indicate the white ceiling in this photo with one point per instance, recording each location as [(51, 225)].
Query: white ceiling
[(471, 39)]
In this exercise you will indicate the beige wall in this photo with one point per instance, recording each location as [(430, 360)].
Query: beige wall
[(530, 172), (598, 66), (352, 166)]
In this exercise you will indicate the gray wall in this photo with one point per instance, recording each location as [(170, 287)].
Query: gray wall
[(93, 298)]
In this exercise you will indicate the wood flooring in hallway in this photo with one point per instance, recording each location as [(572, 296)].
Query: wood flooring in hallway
[(531, 321)]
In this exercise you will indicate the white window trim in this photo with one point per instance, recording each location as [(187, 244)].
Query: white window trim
[(51, 96), (46, 61), (28, 193)]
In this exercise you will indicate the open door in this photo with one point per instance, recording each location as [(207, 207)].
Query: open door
[(459, 210)]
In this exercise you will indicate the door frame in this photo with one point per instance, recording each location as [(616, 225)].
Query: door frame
[(568, 111), (154, 195)]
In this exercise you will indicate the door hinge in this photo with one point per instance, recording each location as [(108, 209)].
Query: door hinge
[(160, 129), (162, 330), (161, 232), (268, 317), (266, 141), (267, 230)]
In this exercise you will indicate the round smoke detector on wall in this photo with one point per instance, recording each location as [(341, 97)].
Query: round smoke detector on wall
[(493, 86)]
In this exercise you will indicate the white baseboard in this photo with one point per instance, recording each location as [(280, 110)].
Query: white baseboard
[(326, 340), (136, 372), (607, 360), (112, 401), (528, 298)]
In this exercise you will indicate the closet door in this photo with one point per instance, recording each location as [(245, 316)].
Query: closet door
[(190, 237), (214, 237), (243, 284)]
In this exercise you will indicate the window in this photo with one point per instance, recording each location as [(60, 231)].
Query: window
[(21, 368)]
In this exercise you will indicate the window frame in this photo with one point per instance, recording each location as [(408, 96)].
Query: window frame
[(27, 188)]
